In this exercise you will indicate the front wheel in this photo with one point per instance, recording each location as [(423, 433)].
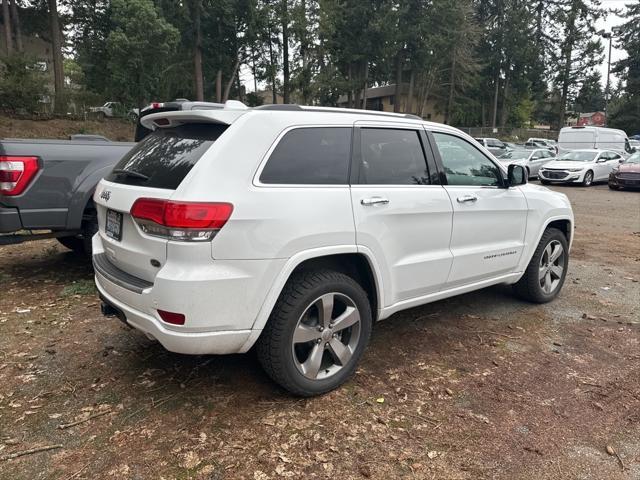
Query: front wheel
[(588, 179), (316, 333), (547, 270), (614, 187)]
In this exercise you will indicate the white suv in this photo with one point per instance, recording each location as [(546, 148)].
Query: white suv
[(295, 228)]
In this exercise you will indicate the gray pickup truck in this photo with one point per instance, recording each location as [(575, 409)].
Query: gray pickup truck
[(46, 186)]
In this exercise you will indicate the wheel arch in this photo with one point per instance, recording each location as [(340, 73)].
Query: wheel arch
[(347, 259)]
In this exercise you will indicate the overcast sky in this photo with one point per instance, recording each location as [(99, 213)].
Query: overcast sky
[(611, 21)]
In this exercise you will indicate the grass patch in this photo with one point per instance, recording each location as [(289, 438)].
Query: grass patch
[(80, 287)]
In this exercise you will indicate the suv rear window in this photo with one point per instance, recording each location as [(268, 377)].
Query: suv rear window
[(164, 158), (310, 156)]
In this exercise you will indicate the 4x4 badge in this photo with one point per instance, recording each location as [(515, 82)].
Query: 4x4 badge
[(106, 195)]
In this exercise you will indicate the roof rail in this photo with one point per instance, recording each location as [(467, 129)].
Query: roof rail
[(290, 107)]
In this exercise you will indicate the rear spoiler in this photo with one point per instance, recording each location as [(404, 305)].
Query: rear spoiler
[(222, 116)]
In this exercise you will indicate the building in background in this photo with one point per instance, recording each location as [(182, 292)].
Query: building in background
[(383, 99), (595, 119)]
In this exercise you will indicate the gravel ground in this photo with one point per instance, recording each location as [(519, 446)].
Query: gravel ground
[(474, 387)]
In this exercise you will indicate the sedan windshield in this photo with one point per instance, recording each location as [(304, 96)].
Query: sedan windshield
[(578, 156)]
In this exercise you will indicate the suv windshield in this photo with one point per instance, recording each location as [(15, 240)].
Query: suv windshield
[(578, 156), (164, 158)]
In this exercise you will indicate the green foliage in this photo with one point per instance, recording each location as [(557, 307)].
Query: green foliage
[(22, 84), (624, 112), (138, 49)]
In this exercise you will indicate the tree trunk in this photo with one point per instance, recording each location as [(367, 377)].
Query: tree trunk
[(285, 54), (16, 25), (197, 50), (452, 89), (398, 91), (56, 44), (219, 86), (272, 70), (567, 53), (6, 22), (409, 106), (504, 113), (230, 82), (496, 91), (364, 87)]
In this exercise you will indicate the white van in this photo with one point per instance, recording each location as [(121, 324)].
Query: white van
[(579, 138)]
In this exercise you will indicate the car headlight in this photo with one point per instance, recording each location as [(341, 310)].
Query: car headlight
[(575, 169)]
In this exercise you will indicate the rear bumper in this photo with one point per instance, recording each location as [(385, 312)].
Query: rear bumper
[(9, 220), (196, 343), (220, 299)]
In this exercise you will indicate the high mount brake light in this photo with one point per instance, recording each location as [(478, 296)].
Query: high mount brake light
[(184, 221), (16, 173)]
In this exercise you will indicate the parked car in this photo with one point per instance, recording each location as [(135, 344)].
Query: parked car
[(233, 227), (599, 138), (114, 109), (542, 143), (627, 174), (47, 186), (580, 166), (495, 146), (635, 145), (531, 160)]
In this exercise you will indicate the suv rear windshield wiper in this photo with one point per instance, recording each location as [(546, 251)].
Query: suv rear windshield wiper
[(131, 173)]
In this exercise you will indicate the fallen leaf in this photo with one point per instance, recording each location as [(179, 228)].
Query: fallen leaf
[(380, 400)]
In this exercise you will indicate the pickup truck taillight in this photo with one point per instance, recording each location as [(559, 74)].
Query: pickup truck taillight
[(16, 173), (184, 221)]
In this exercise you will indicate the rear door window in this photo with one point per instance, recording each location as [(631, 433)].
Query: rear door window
[(392, 157), (164, 158), (310, 156)]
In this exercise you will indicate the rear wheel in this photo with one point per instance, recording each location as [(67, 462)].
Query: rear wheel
[(317, 332), (588, 179), (547, 270), (82, 242)]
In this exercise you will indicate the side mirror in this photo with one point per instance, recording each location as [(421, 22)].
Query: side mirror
[(621, 160), (516, 175), (601, 160)]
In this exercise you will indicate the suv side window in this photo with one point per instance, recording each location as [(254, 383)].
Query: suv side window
[(310, 156), (392, 157), (464, 164)]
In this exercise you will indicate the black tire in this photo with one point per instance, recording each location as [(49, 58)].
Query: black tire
[(588, 179), (529, 286), (275, 346), (544, 182), (81, 244), (614, 187), (75, 243)]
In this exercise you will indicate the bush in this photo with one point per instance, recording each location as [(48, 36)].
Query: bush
[(22, 84)]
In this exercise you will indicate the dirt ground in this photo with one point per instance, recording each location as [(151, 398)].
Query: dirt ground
[(481, 386), (114, 129)]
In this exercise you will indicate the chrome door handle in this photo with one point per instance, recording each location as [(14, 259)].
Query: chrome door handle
[(374, 201), (467, 199)]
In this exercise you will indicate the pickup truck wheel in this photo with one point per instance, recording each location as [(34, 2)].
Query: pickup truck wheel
[(547, 270), (81, 243), (316, 333), (75, 243)]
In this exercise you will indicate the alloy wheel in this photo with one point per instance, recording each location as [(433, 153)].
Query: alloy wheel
[(326, 336), (551, 267)]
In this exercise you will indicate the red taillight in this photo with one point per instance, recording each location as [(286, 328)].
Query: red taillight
[(190, 221), (171, 317), (16, 173)]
